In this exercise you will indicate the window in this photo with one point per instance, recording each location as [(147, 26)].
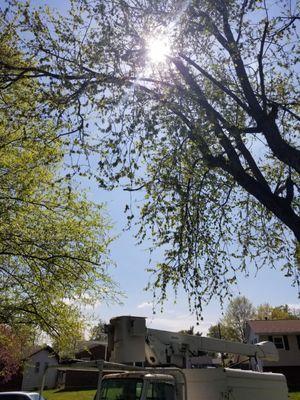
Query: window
[(278, 341), (281, 342), (121, 389), (160, 391), (37, 367)]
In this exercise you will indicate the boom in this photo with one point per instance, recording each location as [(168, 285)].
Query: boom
[(131, 342)]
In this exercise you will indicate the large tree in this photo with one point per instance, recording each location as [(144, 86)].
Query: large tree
[(208, 132), (239, 311), (233, 325), (53, 241)]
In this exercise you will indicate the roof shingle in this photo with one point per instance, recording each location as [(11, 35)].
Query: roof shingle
[(279, 326)]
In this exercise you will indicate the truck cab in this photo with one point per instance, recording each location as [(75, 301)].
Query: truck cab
[(138, 386)]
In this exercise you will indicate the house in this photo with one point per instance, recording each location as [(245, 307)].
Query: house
[(285, 334), (35, 366), (80, 378), (91, 350)]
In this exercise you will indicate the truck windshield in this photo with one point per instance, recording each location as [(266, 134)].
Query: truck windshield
[(121, 389)]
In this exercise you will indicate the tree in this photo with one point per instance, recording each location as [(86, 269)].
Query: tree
[(214, 127), (238, 312), (233, 325), (265, 311), (11, 351), (190, 331), (53, 241), (98, 331), (222, 331)]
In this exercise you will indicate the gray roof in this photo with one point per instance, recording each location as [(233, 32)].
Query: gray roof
[(280, 326), (88, 345)]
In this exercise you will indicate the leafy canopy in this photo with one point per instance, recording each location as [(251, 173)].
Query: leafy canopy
[(240, 310), (53, 241), (210, 134), (97, 332), (233, 325)]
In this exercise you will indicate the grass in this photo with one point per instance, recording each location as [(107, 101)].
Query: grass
[(294, 396), (74, 395)]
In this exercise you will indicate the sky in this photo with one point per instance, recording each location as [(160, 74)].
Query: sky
[(132, 261), (130, 272)]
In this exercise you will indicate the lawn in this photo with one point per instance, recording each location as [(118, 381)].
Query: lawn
[(60, 395), (294, 396)]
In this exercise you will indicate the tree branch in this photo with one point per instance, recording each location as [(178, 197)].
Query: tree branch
[(260, 66), (216, 83)]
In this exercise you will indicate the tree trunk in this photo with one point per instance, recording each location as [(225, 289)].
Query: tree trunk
[(279, 206)]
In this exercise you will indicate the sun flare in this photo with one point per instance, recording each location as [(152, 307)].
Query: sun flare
[(158, 49)]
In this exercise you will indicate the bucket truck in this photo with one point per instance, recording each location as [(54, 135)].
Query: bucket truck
[(159, 367), (151, 364)]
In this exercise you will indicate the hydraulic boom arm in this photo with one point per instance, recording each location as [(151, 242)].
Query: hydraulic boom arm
[(131, 342)]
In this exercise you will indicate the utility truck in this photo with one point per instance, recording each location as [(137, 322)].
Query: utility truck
[(167, 359), (151, 364)]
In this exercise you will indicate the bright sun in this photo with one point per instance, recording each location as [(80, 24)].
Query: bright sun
[(158, 49)]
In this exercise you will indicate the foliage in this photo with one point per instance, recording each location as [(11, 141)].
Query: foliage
[(233, 324), (15, 345), (265, 311), (53, 241), (98, 331), (210, 135), (11, 351), (222, 331), (190, 331), (238, 312)]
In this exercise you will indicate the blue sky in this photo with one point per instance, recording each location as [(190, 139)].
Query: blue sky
[(132, 260)]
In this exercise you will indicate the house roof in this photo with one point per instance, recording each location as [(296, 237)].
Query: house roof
[(88, 345), (279, 326), (36, 349)]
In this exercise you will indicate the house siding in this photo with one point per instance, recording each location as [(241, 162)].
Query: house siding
[(253, 337), (77, 380), (289, 357), (32, 376)]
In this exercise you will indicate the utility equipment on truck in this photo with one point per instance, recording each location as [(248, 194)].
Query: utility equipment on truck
[(163, 362), (150, 364)]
